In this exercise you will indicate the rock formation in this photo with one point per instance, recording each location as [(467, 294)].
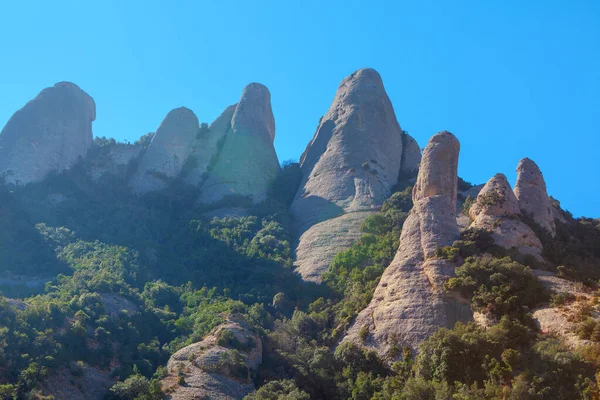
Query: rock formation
[(49, 134), (207, 147), (497, 211), (247, 162), (409, 303), (533, 198), (411, 155), (208, 370), (168, 151), (113, 160), (349, 166)]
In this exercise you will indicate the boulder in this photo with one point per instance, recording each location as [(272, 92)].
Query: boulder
[(530, 190), (350, 166), (209, 369), (409, 303), (497, 211), (49, 134), (168, 151), (247, 163)]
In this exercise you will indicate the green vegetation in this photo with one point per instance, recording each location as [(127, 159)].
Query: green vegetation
[(129, 281)]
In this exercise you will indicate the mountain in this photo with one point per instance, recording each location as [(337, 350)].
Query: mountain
[(191, 264)]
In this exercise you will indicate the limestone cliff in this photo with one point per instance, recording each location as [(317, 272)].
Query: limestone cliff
[(49, 134), (409, 303), (168, 151), (247, 162), (349, 166)]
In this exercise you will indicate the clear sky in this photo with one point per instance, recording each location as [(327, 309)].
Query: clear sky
[(509, 78)]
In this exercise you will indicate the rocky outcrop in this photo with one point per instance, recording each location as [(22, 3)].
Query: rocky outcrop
[(210, 370), (497, 211), (247, 162), (49, 134), (115, 160), (530, 190), (349, 166), (411, 155), (206, 149), (168, 151), (409, 303)]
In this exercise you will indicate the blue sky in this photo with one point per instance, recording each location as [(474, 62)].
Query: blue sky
[(510, 78)]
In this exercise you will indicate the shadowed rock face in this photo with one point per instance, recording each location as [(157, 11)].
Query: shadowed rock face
[(168, 151), (247, 162), (496, 210), (533, 198), (350, 166), (409, 303), (49, 134), (207, 147)]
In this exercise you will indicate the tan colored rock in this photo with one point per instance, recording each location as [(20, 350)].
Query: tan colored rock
[(205, 374), (496, 210), (530, 190), (168, 151), (350, 165), (49, 134), (248, 162), (409, 303)]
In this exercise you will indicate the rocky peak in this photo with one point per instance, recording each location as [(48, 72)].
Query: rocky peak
[(247, 162), (411, 155), (349, 166), (496, 210), (533, 198), (439, 164), (168, 151), (49, 134), (409, 303), (496, 198)]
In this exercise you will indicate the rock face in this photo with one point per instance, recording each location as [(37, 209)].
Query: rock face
[(411, 155), (349, 166), (49, 134), (247, 162), (409, 303), (208, 369), (114, 160), (533, 198), (207, 147), (497, 211), (168, 151)]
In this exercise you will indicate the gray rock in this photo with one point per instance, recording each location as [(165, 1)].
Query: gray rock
[(411, 155), (207, 148), (114, 161), (409, 303), (168, 151), (530, 190), (49, 134), (247, 162), (350, 165)]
